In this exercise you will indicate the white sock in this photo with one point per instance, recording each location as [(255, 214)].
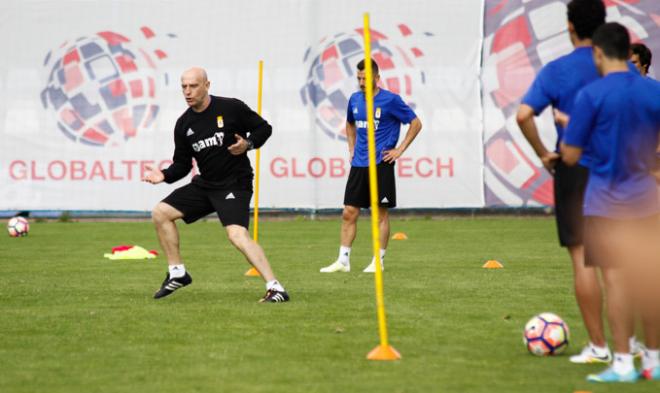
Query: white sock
[(344, 255), (274, 284), (177, 271), (600, 351), (623, 363), (651, 359), (632, 343), (382, 257)]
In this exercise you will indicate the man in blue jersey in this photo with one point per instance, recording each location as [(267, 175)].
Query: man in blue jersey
[(389, 113), (556, 85), (616, 121)]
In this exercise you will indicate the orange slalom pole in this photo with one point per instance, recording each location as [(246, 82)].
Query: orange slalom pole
[(383, 351), (252, 272)]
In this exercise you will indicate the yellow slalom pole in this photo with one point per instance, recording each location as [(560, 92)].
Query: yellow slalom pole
[(252, 272), (383, 351)]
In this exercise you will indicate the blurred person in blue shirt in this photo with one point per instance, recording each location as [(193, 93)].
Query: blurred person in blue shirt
[(556, 85), (615, 122)]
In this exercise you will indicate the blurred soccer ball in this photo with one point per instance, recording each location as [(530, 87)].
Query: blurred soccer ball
[(546, 334), (18, 226)]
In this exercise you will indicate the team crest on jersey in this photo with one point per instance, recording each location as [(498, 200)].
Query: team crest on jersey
[(377, 114), (221, 123)]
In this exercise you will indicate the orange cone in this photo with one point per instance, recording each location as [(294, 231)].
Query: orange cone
[(252, 273), (399, 236), (492, 264), (384, 353)]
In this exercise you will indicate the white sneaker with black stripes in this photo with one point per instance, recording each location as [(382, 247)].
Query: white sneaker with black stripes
[(172, 284), (274, 296), (591, 354)]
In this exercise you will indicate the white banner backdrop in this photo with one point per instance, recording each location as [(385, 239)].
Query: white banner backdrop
[(89, 94), (521, 36)]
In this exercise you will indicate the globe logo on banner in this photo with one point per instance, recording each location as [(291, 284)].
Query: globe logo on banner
[(331, 78), (102, 89), (520, 38)]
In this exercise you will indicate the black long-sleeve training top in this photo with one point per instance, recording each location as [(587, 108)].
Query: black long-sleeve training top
[(205, 137)]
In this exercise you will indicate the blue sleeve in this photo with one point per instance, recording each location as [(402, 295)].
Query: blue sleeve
[(401, 111), (349, 112), (582, 121), (539, 96)]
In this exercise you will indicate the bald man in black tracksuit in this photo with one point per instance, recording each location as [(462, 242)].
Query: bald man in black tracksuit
[(217, 132)]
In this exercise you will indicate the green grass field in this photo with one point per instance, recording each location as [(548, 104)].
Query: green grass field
[(72, 321)]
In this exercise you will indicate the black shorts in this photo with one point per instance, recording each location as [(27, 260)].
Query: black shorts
[(610, 242), (569, 186), (195, 202), (357, 187)]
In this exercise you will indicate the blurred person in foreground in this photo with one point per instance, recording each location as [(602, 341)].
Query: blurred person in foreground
[(615, 122), (556, 85)]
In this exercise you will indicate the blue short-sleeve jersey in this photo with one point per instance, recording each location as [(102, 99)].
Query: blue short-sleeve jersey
[(389, 113), (559, 81), (617, 118)]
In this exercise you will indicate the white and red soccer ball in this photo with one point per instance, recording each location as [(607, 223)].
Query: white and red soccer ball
[(18, 226), (546, 334)]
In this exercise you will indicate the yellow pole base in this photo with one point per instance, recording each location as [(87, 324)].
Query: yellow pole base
[(252, 273), (384, 353), (399, 236), (492, 264)]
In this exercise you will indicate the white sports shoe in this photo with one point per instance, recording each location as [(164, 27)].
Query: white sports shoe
[(336, 266), (590, 355), (372, 267)]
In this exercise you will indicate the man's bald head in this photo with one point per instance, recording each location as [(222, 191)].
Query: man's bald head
[(195, 85), (196, 73)]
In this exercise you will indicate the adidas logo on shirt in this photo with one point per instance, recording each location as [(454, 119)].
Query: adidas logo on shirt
[(230, 196), (384, 200), (190, 132)]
